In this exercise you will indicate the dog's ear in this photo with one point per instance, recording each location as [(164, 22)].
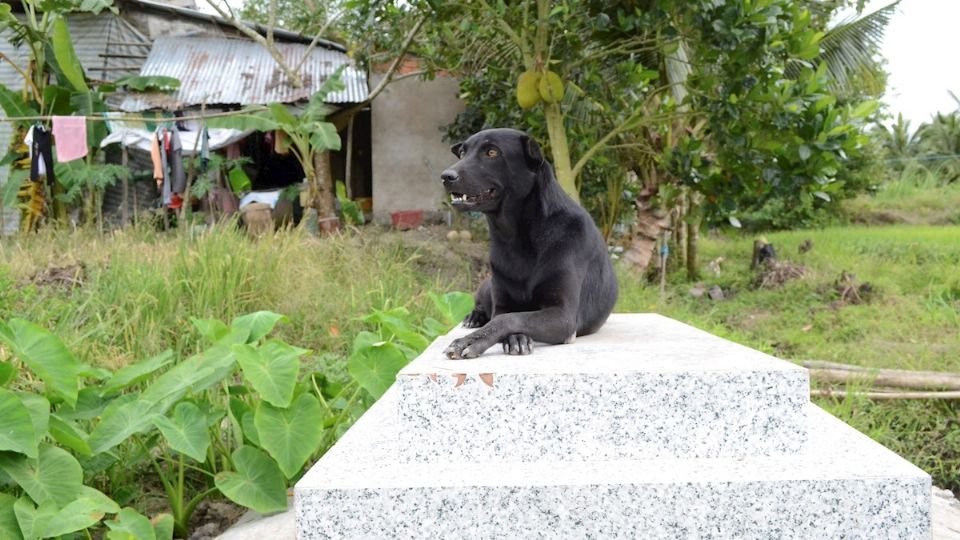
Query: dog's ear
[(456, 149), (531, 151)]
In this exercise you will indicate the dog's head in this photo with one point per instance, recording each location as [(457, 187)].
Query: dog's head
[(495, 165)]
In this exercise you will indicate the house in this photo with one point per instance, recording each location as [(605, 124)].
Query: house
[(396, 145)]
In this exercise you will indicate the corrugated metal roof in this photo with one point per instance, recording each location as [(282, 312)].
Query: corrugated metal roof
[(222, 71)]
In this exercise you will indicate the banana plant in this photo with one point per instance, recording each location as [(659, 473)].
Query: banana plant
[(309, 137)]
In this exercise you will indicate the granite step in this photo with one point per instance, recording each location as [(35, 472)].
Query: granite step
[(840, 485), (645, 386)]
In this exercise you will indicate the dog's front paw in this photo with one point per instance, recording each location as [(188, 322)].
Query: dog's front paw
[(476, 319), (461, 349), (517, 344)]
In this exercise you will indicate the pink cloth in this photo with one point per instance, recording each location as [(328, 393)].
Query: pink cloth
[(70, 136)]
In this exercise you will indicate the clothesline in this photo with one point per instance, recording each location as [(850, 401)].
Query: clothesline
[(135, 118)]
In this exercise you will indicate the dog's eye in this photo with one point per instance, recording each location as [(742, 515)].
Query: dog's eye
[(493, 152)]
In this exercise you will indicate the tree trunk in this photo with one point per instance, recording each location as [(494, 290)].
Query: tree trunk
[(693, 235), (560, 150), (323, 193)]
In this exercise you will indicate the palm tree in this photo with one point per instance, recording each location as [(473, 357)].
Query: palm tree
[(849, 49)]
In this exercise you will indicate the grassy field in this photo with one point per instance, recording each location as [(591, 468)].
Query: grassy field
[(138, 290)]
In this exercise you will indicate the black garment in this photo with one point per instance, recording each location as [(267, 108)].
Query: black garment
[(42, 148)]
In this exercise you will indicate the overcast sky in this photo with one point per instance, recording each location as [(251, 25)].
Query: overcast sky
[(922, 48)]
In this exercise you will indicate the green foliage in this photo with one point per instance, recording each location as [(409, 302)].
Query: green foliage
[(351, 210), (248, 440), (766, 136), (45, 355), (257, 483), (66, 57), (149, 83)]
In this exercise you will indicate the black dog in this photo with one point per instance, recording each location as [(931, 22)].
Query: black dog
[(552, 278)]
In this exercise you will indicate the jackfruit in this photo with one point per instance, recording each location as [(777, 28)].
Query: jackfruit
[(551, 87), (527, 93)]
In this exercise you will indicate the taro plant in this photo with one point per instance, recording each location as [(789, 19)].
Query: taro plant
[(243, 417)]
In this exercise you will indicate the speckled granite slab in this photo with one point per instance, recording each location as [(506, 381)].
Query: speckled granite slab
[(644, 386), (842, 485)]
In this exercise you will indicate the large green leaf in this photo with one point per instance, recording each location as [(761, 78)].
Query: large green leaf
[(324, 137), (163, 526), (12, 102), (124, 417), (84, 512), (375, 367), (68, 434), (257, 482), (259, 120), (16, 426), (186, 432), (130, 525), (212, 329), (144, 83), (33, 519), (54, 476), (290, 435), (453, 306), (9, 528), (253, 326), (45, 354), (10, 190), (136, 373), (283, 116), (39, 409), (271, 369), (67, 57)]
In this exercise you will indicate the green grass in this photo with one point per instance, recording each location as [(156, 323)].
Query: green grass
[(918, 197), (912, 322), (142, 287)]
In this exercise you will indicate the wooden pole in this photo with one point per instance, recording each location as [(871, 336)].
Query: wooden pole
[(124, 211), (348, 170), (885, 395)]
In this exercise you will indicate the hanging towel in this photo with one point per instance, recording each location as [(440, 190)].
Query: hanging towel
[(70, 134), (155, 155), (178, 177), (164, 178), (204, 150), (40, 143)]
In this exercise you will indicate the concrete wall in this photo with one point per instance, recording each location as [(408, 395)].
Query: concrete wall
[(409, 152)]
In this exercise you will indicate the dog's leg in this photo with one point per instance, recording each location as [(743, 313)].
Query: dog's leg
[(551, 325), (483, 307)]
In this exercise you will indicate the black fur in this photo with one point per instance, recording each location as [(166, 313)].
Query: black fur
[(552, 278)]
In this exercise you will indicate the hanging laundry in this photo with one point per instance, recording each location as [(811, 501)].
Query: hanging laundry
[(155, 156), (70, 134), (40, 143), (204, 150), (178, 177), (163, 179)]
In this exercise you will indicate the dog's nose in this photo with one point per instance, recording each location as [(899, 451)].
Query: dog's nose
[(449, 176)]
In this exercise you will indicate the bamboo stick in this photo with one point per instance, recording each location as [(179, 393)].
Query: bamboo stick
[(878, 378), (885, 395), (923, 380)]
